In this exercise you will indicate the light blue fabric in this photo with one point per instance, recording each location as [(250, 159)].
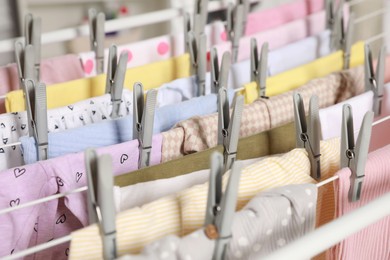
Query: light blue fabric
[(112, 132)]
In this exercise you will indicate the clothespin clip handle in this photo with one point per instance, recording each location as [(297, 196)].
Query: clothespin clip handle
[(219, 75), (143, 124), (33, 37), (96, 26), (115, 78), (308, 137), (235, 28), (355, 156), (197, 46), (101, 199), (229, 126)]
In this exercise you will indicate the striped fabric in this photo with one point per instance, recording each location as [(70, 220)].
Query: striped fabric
[(372, 242), (184, 213)]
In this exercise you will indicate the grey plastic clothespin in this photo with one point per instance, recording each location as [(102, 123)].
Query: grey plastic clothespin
[(24, 56), (143, 121), (33, 37), (259, 66), (229, 126), (200, 16), (246, 5), (96, 37), (219, 75), (221, 205), (36, 107), (330, 15), (355, 156), (375, 81), (187, 29), (100, 196), (308, 136), (116, 71), (334, 16), (197, 48), (235, 17), (346, 40)]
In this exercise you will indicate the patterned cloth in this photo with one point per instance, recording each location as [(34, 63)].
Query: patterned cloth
[(200, 133), (269, 221)]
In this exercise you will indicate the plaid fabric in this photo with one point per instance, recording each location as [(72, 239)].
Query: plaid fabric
[(200, 133)]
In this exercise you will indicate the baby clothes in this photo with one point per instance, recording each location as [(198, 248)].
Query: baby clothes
[(269, 221), (93, 110)]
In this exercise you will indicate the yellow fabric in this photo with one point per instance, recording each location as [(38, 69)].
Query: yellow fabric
[(151, 76), (58, 95), (184, 213), (299, 76)]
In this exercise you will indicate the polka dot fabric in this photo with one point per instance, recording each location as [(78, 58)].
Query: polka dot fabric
[(139, 54)]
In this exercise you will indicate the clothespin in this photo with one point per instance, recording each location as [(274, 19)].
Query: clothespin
[(221, 206), (354, 156), (187, 29), (346, 39), (35, 97), (143, 116), (229, 126), (308, 136), (116, 71), (334, 17), (96, 36), (235, 18), (375, 81), (200, 16), (246, 5), (33, 37), (219, 75), (330, 15), (100, 196), (259, 66), (24, 57), (197, 48)]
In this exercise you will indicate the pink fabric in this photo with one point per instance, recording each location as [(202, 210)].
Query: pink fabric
[(387, 69), (53, 70), (271, 18), (373, 242), (282, 35), (22, 228), (4, 86)]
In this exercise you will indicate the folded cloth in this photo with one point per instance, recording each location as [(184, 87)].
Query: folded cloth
[(372, 242), (117, 131), (286, 58), (184, 212), (70, 92), (269, 221), (40, 223), (53, 70), (296, 77), (139, 53), (14, 125)]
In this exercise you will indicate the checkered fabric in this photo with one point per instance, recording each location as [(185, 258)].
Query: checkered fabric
[(200, 133)]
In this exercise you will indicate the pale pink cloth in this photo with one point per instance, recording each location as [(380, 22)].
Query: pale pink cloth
[(53, 70), (373, 242), (282, 35), (271, 18)]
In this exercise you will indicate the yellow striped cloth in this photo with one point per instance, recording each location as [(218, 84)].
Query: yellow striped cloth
[(184, 213)]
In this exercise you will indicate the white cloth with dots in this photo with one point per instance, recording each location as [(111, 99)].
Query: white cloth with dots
[(269, 221)]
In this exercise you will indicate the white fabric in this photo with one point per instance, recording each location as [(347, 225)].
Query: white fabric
[(142, 193), (331, 117), (286, 58)]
